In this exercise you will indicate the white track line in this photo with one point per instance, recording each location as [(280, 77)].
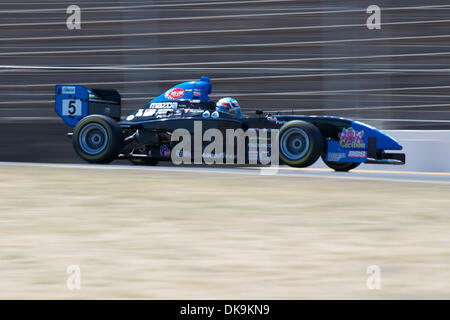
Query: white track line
[(220, 17), (226, 46), (437, 105), (214, 79), (101, 68), (405, 120), (289, 93), (19, 68), (36, 118), (178, 33), (231, 62), (300, 93), (143, 6), (406, 55)]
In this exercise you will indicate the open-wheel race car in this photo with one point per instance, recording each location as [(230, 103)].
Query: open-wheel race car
[(144, 137)]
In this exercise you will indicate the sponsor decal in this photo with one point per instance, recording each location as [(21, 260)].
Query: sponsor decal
[(272, 118), (68, 90), (164, 112), (197, 92), (157, 108), (174, 93), (335, 156), (164, 151), (163, 105), (149, 112), (130, 117), (352, 139), (357, 154), (192, 111)]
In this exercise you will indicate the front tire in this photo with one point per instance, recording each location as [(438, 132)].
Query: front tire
[(97, 139), (300, 143), (340, 166)]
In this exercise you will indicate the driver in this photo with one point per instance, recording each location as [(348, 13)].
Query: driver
[(229, 105)]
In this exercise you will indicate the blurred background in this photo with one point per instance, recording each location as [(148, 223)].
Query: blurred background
[(302, 57)]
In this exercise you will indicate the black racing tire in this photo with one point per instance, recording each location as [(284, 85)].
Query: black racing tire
[(144, 162), (97, 139), (300, 143), (340, 166)]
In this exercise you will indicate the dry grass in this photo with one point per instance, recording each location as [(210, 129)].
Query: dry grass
[(184, 235)]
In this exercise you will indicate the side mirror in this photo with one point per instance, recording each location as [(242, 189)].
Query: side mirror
[(259, 111)]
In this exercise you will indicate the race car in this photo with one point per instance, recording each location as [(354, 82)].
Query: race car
[(145, 136)]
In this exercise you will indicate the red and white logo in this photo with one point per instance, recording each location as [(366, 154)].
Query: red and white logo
[(174, 93)]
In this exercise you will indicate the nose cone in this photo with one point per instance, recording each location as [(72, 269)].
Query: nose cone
[(384, 141)]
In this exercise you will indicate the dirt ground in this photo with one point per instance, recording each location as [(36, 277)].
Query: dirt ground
[(172, 235)]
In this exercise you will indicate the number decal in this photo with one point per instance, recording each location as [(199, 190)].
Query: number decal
[(71, 107)]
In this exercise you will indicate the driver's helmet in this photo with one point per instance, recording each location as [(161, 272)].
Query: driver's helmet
[(229, 105)]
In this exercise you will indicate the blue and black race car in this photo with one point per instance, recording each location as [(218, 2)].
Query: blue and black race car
[(145, 136)]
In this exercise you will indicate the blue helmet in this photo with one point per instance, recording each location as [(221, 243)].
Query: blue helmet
[(229, 105)]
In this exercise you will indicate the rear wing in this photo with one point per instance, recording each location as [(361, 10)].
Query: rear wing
[(73, 103)]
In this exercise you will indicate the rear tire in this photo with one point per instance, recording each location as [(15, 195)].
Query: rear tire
[(300, 143), (97, 139)]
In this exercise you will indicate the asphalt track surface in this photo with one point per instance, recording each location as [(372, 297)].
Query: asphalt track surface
[(357, 174), (301, 57)]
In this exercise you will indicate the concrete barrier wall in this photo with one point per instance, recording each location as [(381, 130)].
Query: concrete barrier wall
[(425, 151)]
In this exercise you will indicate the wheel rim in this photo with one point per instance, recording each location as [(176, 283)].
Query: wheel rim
[(294, 143), (93, 138)]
